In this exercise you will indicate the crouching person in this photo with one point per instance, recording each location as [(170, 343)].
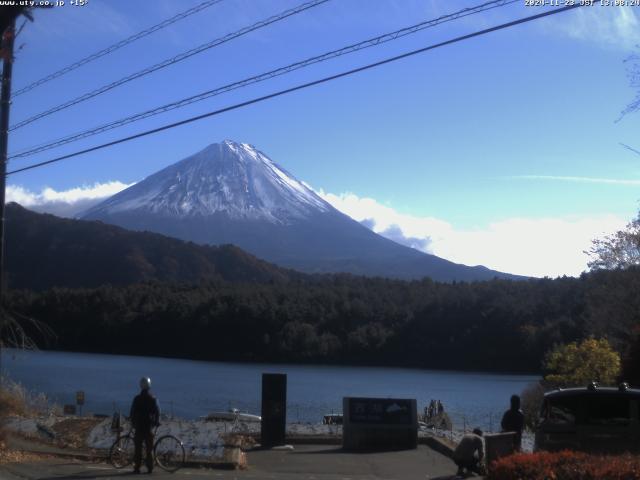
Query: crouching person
[(469, 453)]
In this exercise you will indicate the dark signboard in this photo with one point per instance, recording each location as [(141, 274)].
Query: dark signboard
[(381, 411), (274, 409), (69, 409), (379, 423)]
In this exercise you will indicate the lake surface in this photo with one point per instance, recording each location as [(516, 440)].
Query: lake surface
[(191, 389)]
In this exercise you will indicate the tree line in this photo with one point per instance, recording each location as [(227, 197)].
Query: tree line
[(498, 325)]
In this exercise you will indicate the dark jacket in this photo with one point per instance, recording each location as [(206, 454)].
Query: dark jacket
[(513, 421), (145, 413)]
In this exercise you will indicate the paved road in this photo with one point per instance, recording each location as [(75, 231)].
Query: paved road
[(305, 462)]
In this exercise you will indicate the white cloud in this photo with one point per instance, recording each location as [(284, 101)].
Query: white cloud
[(65, 203), (536, 247), (383, 217), (527, 246), (604, 181), (617, 27)]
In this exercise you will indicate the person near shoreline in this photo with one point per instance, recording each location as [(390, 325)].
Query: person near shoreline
[(469, 453), (145, 415), (513, 421)]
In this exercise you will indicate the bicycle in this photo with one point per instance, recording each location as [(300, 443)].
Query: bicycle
[(168, 452)]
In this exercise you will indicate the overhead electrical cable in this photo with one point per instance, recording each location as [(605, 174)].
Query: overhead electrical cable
[(300, 87), (116, 46), (380, 39), (170, 61)]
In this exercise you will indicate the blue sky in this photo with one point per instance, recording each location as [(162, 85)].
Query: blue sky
[(503, 150)]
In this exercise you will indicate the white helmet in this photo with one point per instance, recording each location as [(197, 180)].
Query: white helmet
[(145, 383)]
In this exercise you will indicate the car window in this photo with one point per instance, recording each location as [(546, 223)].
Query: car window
[(562, 410), (608, 410)]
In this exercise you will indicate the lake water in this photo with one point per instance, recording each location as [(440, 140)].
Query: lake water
[(191, 389)]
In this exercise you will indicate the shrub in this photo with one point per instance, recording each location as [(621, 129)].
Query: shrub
[(16, 400), (13, 400), (532, 397), (565, 465)]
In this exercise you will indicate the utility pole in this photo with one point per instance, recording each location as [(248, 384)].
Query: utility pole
[(5, 104)]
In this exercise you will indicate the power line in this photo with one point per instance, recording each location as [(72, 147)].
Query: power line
[(387, 37), (171, 61), (300, 87), (117, 46)]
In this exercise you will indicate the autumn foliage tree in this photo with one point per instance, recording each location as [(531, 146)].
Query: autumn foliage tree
[(619, 250), (580, 363)]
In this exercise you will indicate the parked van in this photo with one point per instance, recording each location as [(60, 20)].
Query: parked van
[(590, 419)]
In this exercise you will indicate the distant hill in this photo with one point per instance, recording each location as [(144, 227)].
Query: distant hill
[(231, 193), (43, 251)]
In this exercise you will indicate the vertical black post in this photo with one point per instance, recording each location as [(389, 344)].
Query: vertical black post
[(274, 409), (5, 104)]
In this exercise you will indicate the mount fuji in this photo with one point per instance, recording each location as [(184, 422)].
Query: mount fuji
[(231, 193)]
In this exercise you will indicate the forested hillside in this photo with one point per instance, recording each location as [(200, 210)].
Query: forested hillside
[(497, 325), (43, 251)]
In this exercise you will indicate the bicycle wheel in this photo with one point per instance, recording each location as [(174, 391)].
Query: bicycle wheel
[(121, 453), (169, 453)]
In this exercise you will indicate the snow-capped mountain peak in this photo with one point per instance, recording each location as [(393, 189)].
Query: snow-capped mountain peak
[(232, 193), (230, 178)]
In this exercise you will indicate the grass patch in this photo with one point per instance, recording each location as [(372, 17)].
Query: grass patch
[(18, 401), (16, 456), (12, 403)]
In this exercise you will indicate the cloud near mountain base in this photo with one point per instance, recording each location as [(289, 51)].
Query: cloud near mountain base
[(535, 247), (64, 203), (526, 246)]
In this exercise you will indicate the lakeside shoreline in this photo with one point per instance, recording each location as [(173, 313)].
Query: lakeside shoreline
[(192, 389), (271, 363)]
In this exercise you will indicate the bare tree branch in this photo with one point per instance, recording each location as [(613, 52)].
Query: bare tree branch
[(18, 330)]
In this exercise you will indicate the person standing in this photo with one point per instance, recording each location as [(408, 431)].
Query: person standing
[(432, 408), (145, 415), (469, 453), (513, 421)]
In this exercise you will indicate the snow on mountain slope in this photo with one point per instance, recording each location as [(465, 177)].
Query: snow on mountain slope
[(231, 193), (228, 177)]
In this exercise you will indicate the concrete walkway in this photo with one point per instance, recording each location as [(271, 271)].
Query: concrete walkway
[(330, 462), (304, 462)]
